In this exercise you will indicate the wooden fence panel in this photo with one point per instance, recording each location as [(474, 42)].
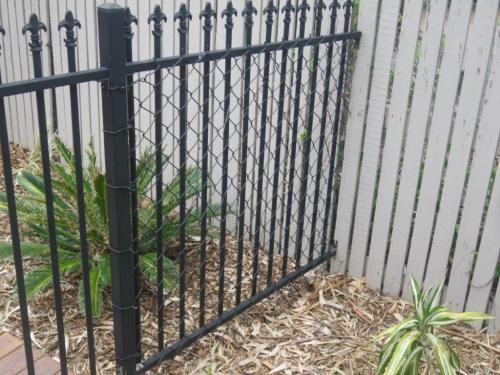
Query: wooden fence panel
[(494, 325), (475, 66), (477, 189), (415, 137), (386, 38), (354, 132), (438, 147), (439, 130), (487, 257), (6, 69), (17, 55), (396, 120)]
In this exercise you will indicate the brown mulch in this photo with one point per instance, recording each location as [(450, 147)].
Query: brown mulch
[(321, 324)]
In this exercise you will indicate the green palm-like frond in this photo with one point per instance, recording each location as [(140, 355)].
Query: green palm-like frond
[(99, 185), (147, 263), (401, 352), (413, 340), (99, 278), (65, 153), (386, 353), (32, 215), (28, 249), (397, 328), (41, 277), (411, 365), (441, 354)]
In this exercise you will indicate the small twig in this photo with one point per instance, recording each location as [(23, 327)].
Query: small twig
[(360, 313), (488, 346)]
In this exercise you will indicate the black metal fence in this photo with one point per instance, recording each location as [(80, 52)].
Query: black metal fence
[(237, 198)]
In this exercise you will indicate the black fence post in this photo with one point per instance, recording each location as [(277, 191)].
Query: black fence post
[(117, 158), (129, 20)]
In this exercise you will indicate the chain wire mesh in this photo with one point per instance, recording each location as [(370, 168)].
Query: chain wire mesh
[(323, 144)]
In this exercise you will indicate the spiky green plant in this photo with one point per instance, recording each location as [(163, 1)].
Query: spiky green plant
[(32, 216), (413, 341)]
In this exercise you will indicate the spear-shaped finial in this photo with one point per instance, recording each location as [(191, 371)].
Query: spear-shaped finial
[(334, 5), (303, 8), (69, 23), (183, 15), (348, 6), (248, 13), (208, 13), (318, 8), (347, 15), (270, 9), (229, 13), (34, 26), (288, 8), (128, 20), (156, 17)]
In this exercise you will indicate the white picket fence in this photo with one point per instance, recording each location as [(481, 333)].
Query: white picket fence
[(417, 193)]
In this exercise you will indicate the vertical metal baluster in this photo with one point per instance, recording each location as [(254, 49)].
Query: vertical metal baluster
[(338, 104), (182, 15), (320, 5), (69, 23), (269, 10), (129, 20), (14, 233), (302, 8), (207, 14), (287, 9), (229, 13), (156, 17), (247, 14), (324, 112), (34, 27), (112, 52)]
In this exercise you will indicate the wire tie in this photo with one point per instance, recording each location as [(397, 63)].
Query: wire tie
[(129, 250), (117, 131)]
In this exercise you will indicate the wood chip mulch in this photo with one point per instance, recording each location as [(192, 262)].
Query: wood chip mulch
[(321, 324)]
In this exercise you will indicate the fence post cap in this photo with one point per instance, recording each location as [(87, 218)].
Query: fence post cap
[(110, 7)]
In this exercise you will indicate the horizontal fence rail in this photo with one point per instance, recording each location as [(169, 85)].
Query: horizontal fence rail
[(218, 168)]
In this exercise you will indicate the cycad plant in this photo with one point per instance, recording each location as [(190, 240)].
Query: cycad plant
[(32, 216), (414, 341)]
